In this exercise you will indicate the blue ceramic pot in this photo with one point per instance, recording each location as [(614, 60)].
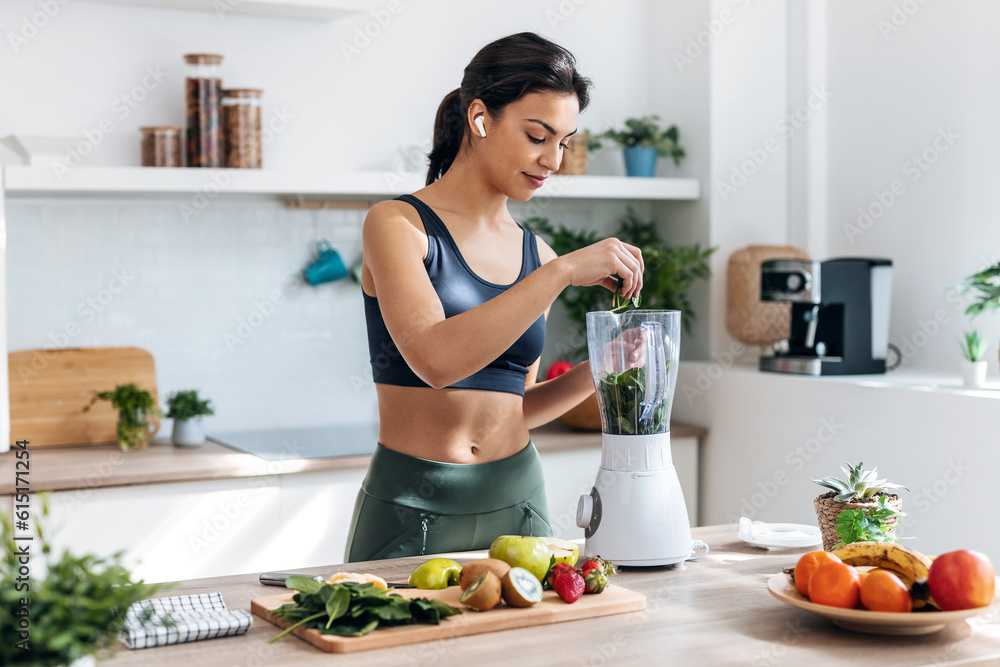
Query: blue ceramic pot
[(640, 161)]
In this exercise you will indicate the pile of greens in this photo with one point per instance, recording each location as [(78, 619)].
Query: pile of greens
[(867, 525), (623, 393), (350, 609)]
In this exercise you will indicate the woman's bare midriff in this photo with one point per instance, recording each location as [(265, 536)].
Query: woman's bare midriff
[(451, 425)]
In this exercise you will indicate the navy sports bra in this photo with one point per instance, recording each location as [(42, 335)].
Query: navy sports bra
[(459, 290)]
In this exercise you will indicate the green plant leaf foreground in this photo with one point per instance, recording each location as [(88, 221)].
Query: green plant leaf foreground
[(350, 609)]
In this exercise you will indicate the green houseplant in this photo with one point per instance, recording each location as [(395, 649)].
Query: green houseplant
[(188, 409), (76, 610), (138, 416), (670, 272), (642, 141), (874, 511)]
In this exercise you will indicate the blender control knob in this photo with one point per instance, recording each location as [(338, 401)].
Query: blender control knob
[(584, 511)]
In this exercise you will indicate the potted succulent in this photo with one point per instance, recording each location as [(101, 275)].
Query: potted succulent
[(138, 416), (670, 273), (643, 141), (974, 368), (187, 409), (76, 609), (873, 511)]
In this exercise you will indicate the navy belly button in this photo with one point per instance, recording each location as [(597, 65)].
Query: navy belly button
[(475, 450)]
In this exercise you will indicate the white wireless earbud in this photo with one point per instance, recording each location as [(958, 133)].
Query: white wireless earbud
[(479, 124)]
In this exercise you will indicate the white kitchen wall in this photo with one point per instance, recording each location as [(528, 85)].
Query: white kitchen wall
[(916, 94), (372, 109)]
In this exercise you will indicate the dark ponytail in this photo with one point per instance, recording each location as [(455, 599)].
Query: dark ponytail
[(502, 72)]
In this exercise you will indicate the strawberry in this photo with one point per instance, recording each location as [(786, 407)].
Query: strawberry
[(569, 585), (595, 581), (554, 572), (591, 565)]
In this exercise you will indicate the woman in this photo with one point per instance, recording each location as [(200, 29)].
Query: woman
[(456, 297)]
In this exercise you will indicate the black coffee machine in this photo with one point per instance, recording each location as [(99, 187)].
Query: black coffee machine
[(840, 314)]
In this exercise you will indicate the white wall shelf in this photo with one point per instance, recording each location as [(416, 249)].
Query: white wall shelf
[(98, 182), (317, 10)]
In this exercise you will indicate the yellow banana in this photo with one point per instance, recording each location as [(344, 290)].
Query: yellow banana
[(886, 555)]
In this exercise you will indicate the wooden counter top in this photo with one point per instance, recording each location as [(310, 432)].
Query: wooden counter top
[(105, 465), (716, 611)]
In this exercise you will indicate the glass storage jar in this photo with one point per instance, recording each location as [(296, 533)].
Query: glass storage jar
[(241, 124), (204, 90), (161, 146)]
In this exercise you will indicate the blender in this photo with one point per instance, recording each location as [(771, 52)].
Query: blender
[(635, 514)]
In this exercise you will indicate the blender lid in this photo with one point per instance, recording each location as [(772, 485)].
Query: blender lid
[(778, 534)]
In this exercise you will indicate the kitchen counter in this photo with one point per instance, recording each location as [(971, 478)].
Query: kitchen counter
[(105, 465), (716, 611)]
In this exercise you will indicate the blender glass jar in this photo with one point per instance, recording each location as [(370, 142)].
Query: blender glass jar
[(204, 90), (241, 122), (633, 359)]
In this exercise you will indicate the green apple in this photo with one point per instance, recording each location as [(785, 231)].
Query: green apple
[(435, 574), (525, 551), (564, 550)]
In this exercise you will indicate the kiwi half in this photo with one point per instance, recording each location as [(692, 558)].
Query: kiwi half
[(473, 569), (484, 593), (520, 588)]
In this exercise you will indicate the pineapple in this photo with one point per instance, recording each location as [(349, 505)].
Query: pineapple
[(861, 485)]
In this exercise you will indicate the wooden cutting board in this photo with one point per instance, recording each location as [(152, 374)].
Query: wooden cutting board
[(48, 389), (552, 609)]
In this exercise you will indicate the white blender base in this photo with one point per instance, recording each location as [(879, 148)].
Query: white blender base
[(637, 517)]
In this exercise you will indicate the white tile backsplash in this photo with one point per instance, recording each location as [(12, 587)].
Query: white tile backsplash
[(184, 290)]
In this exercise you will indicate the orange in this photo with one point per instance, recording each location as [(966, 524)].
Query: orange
[(882, 590), (807, 565), (835, 585)]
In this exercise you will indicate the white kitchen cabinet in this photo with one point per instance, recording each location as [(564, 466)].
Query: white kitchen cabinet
[(174, 531), (316, 509)]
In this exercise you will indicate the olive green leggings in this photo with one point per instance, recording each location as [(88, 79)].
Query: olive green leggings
[(409, 506)]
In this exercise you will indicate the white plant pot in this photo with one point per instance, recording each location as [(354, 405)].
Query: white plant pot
[(974, 373), (188, 432)]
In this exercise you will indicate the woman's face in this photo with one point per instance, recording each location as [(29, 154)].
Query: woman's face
[(527, 141)]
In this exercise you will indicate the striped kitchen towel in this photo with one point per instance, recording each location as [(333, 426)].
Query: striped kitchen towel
[(181, 618)]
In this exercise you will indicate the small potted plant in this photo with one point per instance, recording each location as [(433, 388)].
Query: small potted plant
[(860, 491), (984, 288), (643, 141), (77, 608), (138, 416), (187, 409), (974, 368)]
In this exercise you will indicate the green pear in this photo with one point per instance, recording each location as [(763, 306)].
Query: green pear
[(435, 574), (525, 551)]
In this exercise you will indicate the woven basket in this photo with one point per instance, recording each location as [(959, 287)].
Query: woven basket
[(748, 319), (584, 417), (828, 509)]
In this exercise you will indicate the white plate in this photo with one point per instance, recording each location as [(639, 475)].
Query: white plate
[(791, 535), (874, 622)]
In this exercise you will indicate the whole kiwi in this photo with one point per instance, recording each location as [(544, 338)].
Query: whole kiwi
[(484, 593), (473, 569)]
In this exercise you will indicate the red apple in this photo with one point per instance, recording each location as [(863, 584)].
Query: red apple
[(961, 580), (557, 368)]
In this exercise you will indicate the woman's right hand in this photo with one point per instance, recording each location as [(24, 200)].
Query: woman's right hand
[(597, 263)]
